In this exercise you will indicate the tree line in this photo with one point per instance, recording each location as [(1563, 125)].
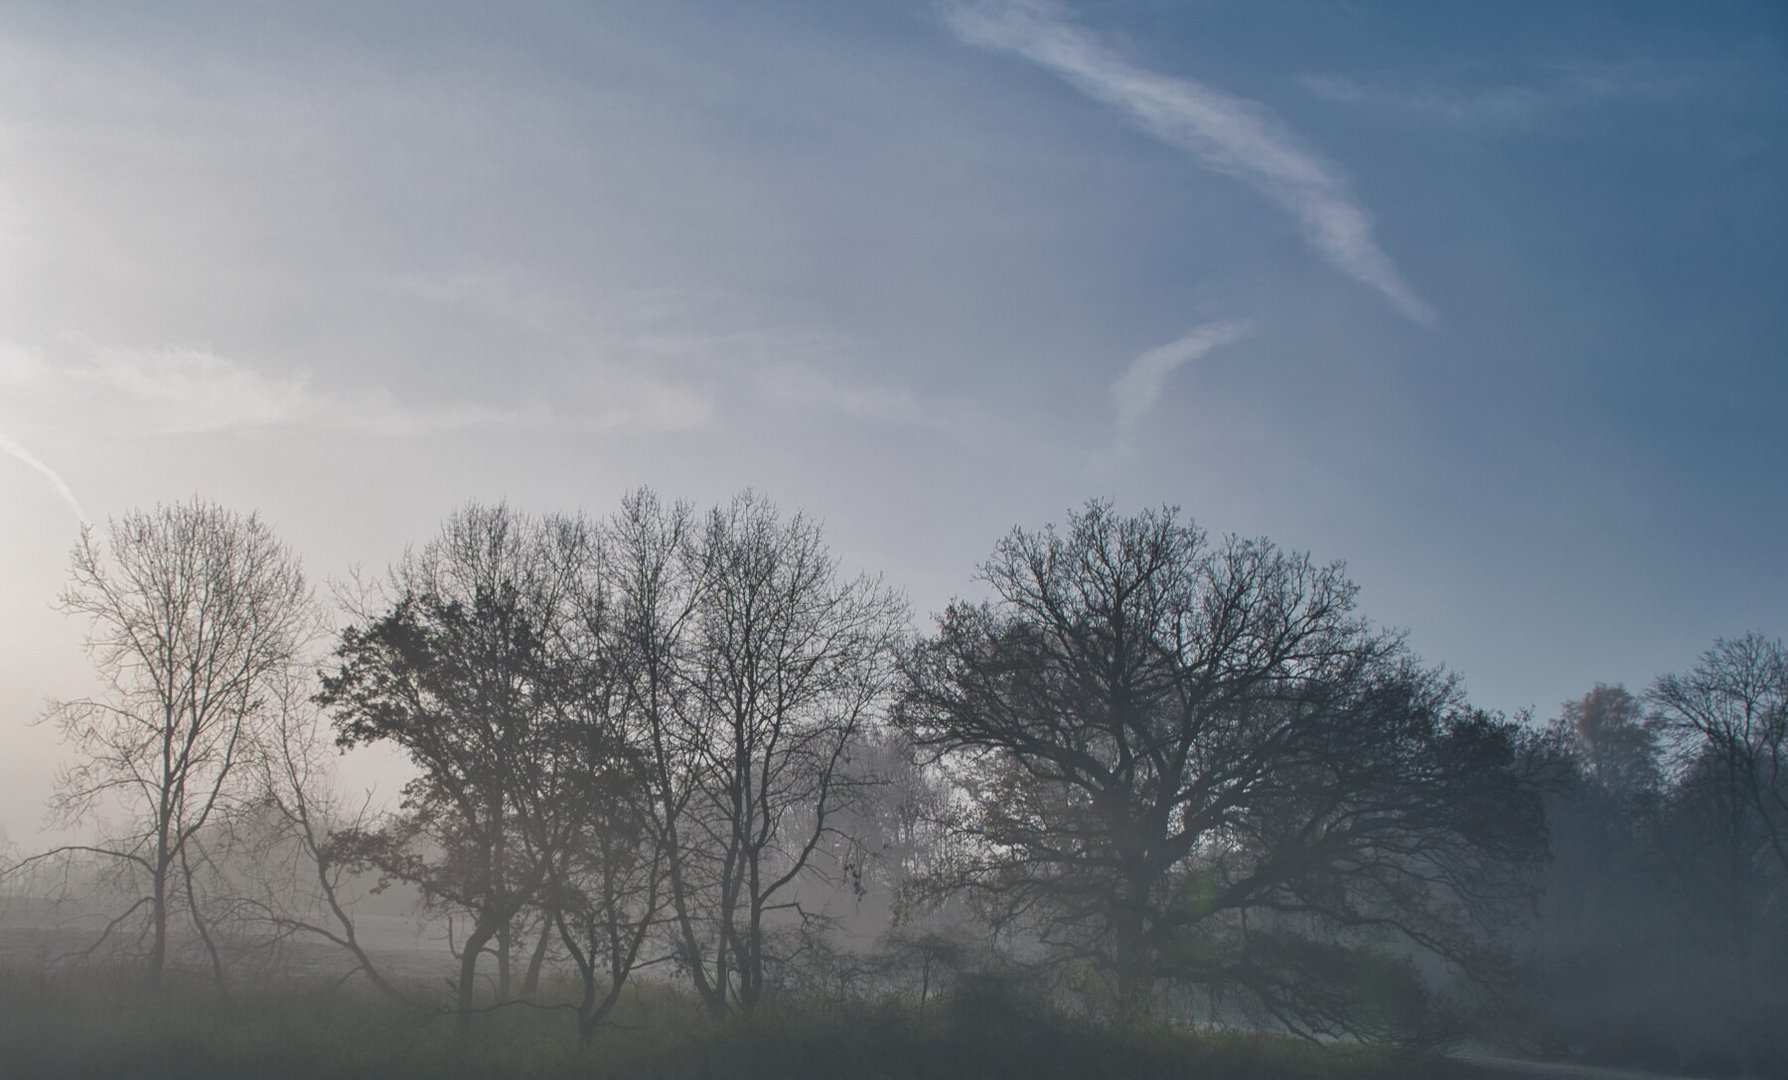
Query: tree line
[(1661, 936), (1165, 776)]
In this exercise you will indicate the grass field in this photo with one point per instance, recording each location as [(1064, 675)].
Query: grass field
[(91, 1023)]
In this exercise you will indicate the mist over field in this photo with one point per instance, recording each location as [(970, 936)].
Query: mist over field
[(970, 538)]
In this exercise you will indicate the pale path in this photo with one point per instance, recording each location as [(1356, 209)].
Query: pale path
[(1559, 1070)]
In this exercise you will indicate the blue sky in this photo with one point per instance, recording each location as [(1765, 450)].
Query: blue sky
[(1488, 300)]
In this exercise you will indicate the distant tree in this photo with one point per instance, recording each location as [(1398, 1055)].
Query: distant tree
[(926, 961), (1724, 838), (292, 848), (1619, 746), (1191, 763), (606, 877), (899, 832), (196, 615), (1658, 940), (653, 582), (608, 884), (1730, 716), (1604, 886), (787, 666), (472, 670)]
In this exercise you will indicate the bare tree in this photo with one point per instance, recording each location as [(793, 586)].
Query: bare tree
[(607, 883), (629, 879), (1730, 716), (293, 844), (196, 615), (1619, 746), (786, 665), (1191, 762), (1726, 823), (470, 671)]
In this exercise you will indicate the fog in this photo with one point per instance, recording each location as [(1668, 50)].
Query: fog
[(1148, 777), (971, 538)]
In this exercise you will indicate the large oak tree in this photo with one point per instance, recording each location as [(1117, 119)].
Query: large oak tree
[(1189, 762)]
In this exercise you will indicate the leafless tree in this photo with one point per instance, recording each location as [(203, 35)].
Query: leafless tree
[(606, 884), (1730, 716), (196, 615), (650, 584), (1192, 762), (785, 666), (473, 671), (296, 878), (1618, 745)]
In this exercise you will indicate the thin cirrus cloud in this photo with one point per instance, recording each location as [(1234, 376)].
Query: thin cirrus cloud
[(186, 391), (13, 448), (1225, 133), (1579, 84), (178, 391), (1139, 388), (826, 392)]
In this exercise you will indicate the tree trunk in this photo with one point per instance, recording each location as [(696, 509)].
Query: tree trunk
[(158, 918), (751, 952), (711, 992), (1131, 961), (468, 970), (537, 961), (504, 947), (198, 925)]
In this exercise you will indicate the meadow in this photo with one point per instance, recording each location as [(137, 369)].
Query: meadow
[(96, 1022)]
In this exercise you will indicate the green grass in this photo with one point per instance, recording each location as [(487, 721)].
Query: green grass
[(90, 1024)]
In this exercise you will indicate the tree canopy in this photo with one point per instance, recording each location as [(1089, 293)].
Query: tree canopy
[(1192, 763)]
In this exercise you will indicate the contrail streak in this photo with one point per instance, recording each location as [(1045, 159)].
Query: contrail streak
[(11, 446), (1225, 133), (1140, 386)]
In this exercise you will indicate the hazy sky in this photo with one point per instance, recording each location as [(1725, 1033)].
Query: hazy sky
[(1489, 300)]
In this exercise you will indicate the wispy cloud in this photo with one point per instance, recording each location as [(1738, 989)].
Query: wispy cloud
[(811, 388), (836, 395), (184, 391), (673, 360), (803, 369), (1139, 388), (624, 399), (1494, 105), (1225, 133), (1558, 87), (12, 446)]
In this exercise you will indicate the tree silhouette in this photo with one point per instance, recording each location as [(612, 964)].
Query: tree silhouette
[(475, 671), (787, 667), (1191, 762), (196, 617)]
